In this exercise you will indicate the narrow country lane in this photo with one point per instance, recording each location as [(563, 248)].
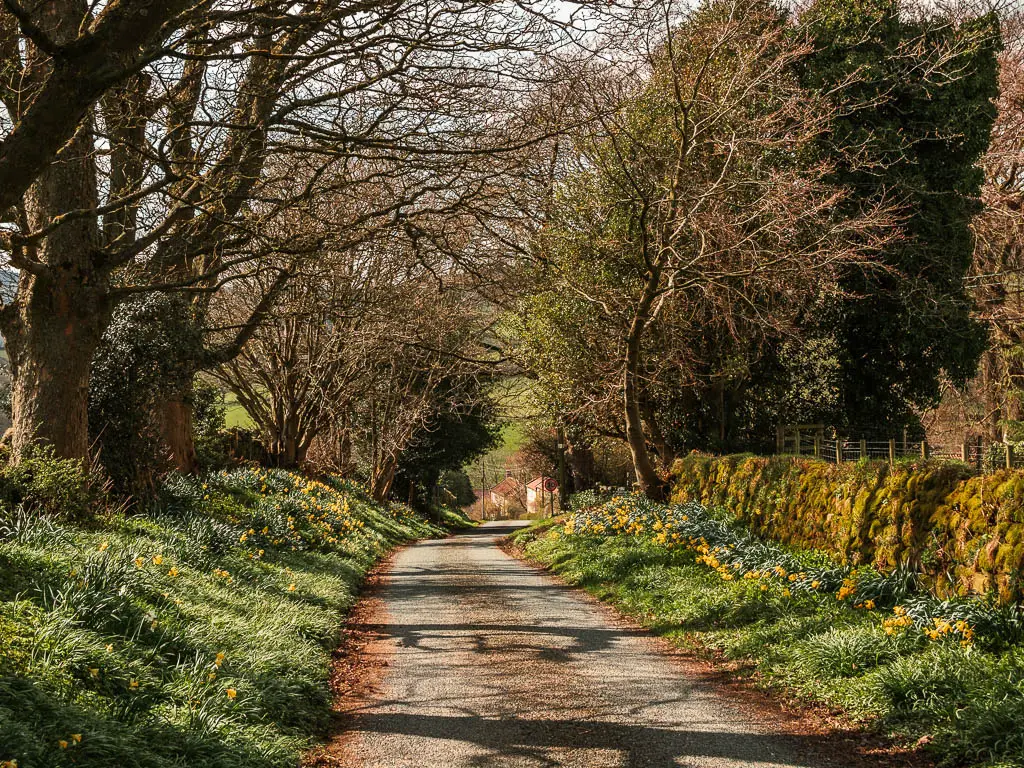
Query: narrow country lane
[(492, 663)]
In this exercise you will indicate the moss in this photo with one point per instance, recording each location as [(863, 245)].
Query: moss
[(965, 531)]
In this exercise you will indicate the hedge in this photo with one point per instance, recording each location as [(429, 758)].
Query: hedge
[(963, 532)]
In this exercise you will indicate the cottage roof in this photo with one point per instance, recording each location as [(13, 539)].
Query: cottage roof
[(506, 487)]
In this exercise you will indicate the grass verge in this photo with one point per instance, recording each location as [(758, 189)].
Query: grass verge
[(197, 633), (963, 703)]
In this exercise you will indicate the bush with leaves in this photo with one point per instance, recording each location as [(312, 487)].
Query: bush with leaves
[(143, 356), (46, 485)]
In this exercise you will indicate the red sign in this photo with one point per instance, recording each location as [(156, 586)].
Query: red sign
[(550, 484)]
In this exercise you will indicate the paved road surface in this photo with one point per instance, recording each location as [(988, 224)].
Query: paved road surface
[(493, 664)]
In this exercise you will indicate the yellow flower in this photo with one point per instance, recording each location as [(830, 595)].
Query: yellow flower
[(139, 562), (291, 587), (232, 693), (110, 648), (869, 604), (219, 659), (94, 671), (158, 559), (76, 737), (63, 744), (104, 546), (133, 684), (786, 593), (815, 584), (173, 573)]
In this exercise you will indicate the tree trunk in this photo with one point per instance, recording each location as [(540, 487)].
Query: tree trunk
[(646, 474), (63, 304), (345, 465), (666, 456), (381, 480), (176, 430), (51, 344)]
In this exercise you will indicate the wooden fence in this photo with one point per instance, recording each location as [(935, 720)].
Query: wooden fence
[(810, 440)]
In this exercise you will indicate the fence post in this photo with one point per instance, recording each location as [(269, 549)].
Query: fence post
[(839, 450), (924, 449), (1009, 456), (964, 451), (817, 447), (892, 451), (780, 439), (863, 449)]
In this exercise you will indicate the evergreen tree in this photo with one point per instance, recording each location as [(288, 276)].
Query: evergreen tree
[(916, 104)]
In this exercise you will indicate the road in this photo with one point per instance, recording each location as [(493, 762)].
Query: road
[(489, 662)]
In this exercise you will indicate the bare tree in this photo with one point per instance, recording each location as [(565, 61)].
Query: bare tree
[(146, 179), (694, 200)]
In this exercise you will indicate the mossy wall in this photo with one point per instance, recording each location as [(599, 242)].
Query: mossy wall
[(964, 532)]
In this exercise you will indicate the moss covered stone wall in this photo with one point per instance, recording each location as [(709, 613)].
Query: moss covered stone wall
[(964, 532)]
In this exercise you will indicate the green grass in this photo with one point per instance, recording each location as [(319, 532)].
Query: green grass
[(235, 415), (969, 702), (195, 634)]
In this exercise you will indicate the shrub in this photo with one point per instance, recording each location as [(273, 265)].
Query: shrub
[(847, 652), (46, 485)]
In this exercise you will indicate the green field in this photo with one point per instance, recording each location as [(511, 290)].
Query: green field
[(235, 415)]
